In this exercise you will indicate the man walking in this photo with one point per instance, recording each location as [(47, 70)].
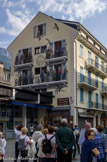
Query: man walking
[(65, 140)]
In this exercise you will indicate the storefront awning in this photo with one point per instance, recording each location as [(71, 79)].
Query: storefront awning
[(31, 105)]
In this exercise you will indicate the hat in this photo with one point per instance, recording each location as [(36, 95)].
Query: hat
[(64, 121)]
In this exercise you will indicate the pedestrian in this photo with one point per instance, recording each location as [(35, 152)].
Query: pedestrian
[(74, 147), (99, 145), (105, 130), (17, 131), (77, 135), (40, 153), (100, 133), (31, 130), (49, 145), (23, 144), (65, 140), (88, 147), (2, 144), (36, 135), (82, 133)]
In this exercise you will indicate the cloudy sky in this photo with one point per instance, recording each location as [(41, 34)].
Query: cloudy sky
[(16, 14)]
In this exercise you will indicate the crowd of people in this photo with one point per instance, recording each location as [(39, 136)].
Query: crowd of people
[(61, 144)]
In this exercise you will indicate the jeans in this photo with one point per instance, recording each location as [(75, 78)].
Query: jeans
[(61, 157), (100, 160), (49, 160), (16, 152), (24, 156)]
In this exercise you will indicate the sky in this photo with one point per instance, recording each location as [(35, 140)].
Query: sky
[(16, 14)]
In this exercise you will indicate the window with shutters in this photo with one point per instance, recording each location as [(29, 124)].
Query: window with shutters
[(39, 30)]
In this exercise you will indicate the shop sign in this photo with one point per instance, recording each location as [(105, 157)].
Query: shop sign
[(62, 101)]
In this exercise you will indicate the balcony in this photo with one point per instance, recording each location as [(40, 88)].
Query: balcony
[(87, 83), (91, 46), (104, 91), (24, 61), (97, 106), (59, 57), (96, 68), (41, 81)]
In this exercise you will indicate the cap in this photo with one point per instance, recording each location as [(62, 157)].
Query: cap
[(64, 121)]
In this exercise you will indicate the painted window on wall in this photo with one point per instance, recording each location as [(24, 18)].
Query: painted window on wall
[(39, 30)]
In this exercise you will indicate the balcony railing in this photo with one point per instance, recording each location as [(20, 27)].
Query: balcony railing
[(104, 90), (96, 105), (96, 68), (50, 55), (23, 59), (87, 83)]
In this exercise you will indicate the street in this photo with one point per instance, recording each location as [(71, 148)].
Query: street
[(10, 149)]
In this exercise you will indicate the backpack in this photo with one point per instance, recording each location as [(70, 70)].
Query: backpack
[(47, 146), (21, 144)]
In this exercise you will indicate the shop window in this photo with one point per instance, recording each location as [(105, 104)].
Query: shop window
[(37, 71), (10, 125), (37, 50), (17, 111)]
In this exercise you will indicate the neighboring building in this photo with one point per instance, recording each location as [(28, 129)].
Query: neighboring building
[(52, 55)]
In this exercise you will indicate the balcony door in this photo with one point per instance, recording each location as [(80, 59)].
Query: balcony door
[(89, 57), (57, 49), (81, 74), (90, 99), (96, 61), (96, 100), (89, 77), (58, 70)]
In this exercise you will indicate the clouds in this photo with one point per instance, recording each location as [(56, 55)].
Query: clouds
[(72, 9), (19, 13)]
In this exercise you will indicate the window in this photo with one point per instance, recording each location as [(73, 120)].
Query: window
[(90, 99), (96, 61), (37, 50), (96, 81), (81, 74), (5, 76), (37, 71), (43, 49), (81, 94), (96, 100), (102, 84), (81, 50), (89, 77), (89, 57), (39, 30), (102, 66), (102, 102)]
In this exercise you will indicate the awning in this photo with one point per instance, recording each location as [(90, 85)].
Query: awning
[(31, 105)]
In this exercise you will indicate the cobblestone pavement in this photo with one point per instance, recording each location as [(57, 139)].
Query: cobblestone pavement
[(10, 152)]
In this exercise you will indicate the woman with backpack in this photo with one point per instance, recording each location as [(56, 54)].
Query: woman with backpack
[(48, 146), (23, 144)]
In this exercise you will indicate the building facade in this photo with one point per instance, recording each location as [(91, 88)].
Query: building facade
[(52, 55)]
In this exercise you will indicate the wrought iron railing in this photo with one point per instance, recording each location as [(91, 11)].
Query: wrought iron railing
[(96, 105), (89, 81), (92, 62)]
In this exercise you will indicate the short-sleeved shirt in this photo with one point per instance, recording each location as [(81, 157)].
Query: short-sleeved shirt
[(99, 145), (26, 140), (86, 150), (53, 155), (17, 133)]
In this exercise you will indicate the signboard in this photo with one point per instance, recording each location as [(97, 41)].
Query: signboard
[(62, 101)]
